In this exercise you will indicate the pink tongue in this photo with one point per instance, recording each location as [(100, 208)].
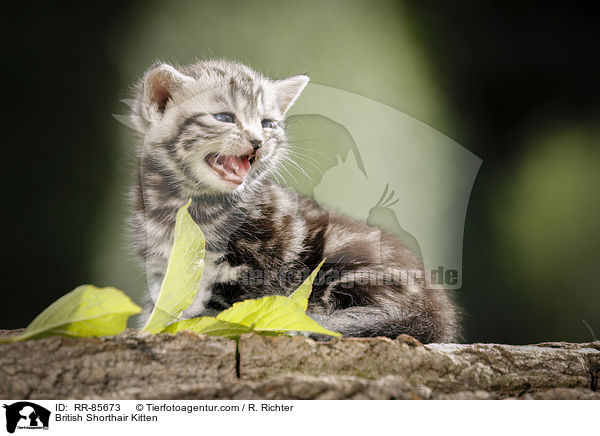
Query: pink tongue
[(236, 164)]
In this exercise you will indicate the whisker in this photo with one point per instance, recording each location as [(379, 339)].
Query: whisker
[(311, 159), (302, 170)]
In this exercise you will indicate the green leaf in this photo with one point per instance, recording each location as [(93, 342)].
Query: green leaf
[(300, 295), (209, 325), (266, 316), (184, 271), (85, 311), (272, 314)]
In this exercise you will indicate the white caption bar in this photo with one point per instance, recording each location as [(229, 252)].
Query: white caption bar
[(264, 417)]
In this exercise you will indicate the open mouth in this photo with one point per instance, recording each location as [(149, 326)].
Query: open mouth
[(233, 169)]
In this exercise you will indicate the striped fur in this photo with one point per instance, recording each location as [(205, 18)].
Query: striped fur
[(262, 239)]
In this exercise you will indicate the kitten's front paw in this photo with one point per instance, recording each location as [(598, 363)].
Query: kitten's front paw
[(306, 334)]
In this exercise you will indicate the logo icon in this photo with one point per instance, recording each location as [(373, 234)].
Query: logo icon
[(26, 415)]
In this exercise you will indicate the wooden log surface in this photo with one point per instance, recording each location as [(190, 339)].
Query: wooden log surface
[(135, 365)]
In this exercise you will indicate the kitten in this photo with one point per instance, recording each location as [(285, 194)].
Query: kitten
[(213, 131)]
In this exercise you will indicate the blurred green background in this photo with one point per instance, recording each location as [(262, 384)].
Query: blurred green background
[(517, 85)]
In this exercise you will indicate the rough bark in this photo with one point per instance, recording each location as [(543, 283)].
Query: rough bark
[(136, 365)]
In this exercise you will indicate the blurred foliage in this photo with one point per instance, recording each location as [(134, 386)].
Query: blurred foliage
[(548, 223), (516, 85)]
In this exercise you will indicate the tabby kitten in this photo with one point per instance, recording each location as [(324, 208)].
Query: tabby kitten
[(213, 131)]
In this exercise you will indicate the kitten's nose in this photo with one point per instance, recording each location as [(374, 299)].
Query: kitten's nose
[(256, 143)]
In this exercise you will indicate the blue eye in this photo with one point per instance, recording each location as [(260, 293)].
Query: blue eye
[(225, 117), (268, 124)]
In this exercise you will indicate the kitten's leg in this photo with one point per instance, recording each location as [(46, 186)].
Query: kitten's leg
[(426, 315), (371, 322), (372, 285), (149, 300)]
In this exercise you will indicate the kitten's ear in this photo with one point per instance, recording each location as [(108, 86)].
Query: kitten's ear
[(159, 85), (288, 90)]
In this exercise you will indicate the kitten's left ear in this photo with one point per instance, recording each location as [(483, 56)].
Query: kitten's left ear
[(288, 90)]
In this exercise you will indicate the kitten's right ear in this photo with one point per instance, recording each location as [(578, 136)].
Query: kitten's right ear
[(159, 85), (154, 93)]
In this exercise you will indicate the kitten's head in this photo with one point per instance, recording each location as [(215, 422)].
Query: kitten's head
[(217, 125)]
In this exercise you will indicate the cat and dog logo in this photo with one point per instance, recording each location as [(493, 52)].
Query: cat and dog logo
[(26, 415)]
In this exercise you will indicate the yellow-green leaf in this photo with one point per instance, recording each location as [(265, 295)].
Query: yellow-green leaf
[(267, 316), (272, 314), (184, 271), (85, 311), (209, 325), (300, 295)]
